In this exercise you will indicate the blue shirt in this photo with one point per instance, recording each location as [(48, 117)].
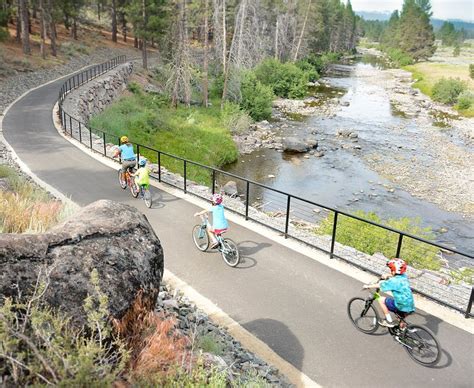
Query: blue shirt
[(218, 218), (402, 295), (126, 152)]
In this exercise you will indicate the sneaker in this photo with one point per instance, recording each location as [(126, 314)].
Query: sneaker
[(215, 245), (384, 322)]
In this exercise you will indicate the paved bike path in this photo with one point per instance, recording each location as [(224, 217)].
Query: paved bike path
[(294, 304)]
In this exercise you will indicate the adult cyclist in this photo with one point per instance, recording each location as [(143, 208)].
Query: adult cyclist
[(127, 155)]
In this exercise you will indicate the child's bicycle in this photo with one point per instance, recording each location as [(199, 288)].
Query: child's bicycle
[(228, 248), (144, 193), (420, 343)]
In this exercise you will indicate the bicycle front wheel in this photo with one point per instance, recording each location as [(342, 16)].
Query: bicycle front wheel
[(422, 345), (147, 197), (122, 180), (200, 237), (230, 252), (363, 315)]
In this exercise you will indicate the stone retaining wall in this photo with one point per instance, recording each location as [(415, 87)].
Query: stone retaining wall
[(96, 95)]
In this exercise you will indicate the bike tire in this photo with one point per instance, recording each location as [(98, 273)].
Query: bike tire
[(122, 182), (201, 240), (147, 198), (363, 315), (134, 189), (230, 252), (420, 342)]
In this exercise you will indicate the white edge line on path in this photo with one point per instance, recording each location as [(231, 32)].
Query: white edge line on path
[(446, 314), (248, 340)]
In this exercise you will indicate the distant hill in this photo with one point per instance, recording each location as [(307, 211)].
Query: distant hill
[(437, 23)]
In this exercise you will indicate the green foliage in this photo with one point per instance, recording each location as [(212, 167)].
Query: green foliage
[(309, 69), (448, 90), (134, 88), (39, 346), (4, 35), (371, 239), (471, 70), (465, 100), (256, 97), (456, 51), (72, 49), (448, 34), (398, 57), (236, 120), (286, 79), (195, 133), (465, 275), (209, 343)]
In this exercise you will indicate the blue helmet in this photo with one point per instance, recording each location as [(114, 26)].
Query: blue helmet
[(142, 162)]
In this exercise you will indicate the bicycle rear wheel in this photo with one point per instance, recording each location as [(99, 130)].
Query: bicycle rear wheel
[(147, 198), (363, 315), (134, 189), (200, 237), (421, 345), (122, 180), (230, 252)]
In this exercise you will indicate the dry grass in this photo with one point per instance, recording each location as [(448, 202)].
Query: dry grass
[(433, 72)]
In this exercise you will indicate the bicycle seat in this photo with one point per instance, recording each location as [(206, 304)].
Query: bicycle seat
[(219, 232)]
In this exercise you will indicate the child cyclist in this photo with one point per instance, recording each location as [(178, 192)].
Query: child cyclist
[(397, 283), (219, 222), (142, 176)]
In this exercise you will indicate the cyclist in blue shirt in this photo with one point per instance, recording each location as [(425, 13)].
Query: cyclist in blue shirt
[(397, 283), (219, 222), (127, 154)]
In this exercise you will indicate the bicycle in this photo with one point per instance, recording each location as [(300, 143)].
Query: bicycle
[(127, 180), (227, 247), (418, 341), (144, 193)]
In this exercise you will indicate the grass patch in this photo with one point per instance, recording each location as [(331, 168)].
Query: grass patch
[(209, 343), (194, 133), (371, 239), (25, 208)]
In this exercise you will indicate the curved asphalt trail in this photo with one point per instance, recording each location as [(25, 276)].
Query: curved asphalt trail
[(294, 304)]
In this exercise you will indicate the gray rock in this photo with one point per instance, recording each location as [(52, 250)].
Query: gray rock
[(230, 188), (104, 235), (292, 144)]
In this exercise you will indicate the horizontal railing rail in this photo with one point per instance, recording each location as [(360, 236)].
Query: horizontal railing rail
[(89, 136)]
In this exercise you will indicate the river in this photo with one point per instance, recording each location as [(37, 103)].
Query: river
[(342, 178)]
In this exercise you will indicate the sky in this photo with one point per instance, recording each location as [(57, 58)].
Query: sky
[(442, 9)]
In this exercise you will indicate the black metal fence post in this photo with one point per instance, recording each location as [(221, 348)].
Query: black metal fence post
[(469, 305), (247, 198), (103, 140), (184, 168), (399, 246), (159, 166), (333, 240), (138, 155), (90, 138), (80, 132), (287, 220), (70, 125)]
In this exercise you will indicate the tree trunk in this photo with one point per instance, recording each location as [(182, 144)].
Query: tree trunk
[(18, 22), (124, 27), (144, 53), (302, 32), (52, 28), (114, 21), (135, 42), (42, 30), (276, 40), (205, 85), (74, 28), (224, 33), (25, 36), (98, 9)]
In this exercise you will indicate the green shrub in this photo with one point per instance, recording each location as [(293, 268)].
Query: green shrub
[(466, 100), (217, 86), (256, 97), (321, 62), (234, 118), (471, 70), (371, 239), (456, 51), (448, 90), (4, 35), (309, 69), (134, 88), (209, 343), (399, 57), (286, 79)]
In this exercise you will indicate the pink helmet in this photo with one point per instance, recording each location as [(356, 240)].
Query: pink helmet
[(398, 266), (217, 199)]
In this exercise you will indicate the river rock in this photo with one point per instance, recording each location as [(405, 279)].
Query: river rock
[(312, 143), (230, 188), (292, 144), (113, 238)]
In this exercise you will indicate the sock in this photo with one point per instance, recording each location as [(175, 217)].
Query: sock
[(388, 317)]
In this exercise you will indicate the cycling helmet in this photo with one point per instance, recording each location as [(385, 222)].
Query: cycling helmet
[(142, 162), (398, 266), (124, 139), (217, 199)]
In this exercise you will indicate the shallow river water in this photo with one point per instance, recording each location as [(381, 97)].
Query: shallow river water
[(341, 178)]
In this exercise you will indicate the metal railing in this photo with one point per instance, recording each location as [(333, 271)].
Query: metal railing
[(98, 140)]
